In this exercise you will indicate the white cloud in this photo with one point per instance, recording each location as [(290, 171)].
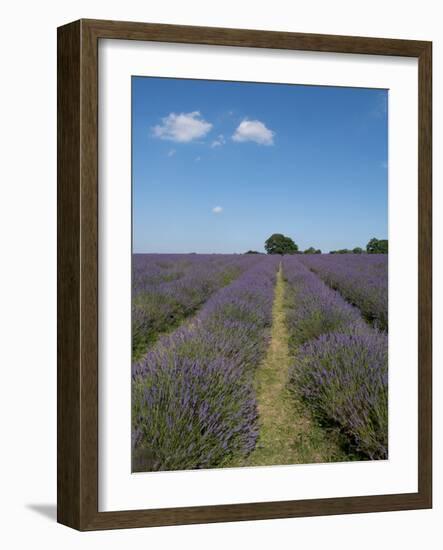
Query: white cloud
[(254, 130), (219, 141), (171, 152), (182, 128), (217, 209), (198, 159)]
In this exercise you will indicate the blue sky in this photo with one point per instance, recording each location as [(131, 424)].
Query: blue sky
[(220, 166)]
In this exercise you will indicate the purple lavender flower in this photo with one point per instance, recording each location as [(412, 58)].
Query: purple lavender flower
[(194, 404), (167, 288), (313, 308), (340, 363), (343, 377), (361, 279)]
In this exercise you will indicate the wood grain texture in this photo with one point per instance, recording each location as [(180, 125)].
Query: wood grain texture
[(254, 38), (77, 172), (425, 273), (68, 275)]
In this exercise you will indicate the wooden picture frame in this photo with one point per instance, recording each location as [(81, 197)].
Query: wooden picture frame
[(77, 174)]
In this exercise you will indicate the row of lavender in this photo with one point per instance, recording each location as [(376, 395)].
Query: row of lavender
[(194, 404), (167, 288), (361, 279), (340, 363)]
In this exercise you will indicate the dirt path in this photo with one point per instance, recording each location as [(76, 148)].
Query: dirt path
[(287, 433)]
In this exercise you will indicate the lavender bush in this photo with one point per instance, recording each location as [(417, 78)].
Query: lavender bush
[(313, 309), (361, 279), (344, 378), (167, 288), (192, 413), (340, 370), (193, 399)]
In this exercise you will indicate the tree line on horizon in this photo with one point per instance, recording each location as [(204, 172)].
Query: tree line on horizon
[(281, 244)]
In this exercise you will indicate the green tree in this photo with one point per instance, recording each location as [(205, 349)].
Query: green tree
[(280, 244), (318, 251), (252, 252), (376, 246), (357, 250), (310, 250)]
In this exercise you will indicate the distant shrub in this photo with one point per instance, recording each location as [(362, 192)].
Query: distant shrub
[(310, 250), (280, 244), (376, 246)]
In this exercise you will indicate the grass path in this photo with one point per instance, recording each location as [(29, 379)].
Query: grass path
[(288, 434)]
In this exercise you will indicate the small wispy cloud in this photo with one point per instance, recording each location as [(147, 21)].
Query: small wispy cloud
[(254, 130), (217, 210), (171, 152), (182, 128), (384, 164), (219, 141), (198, 159)]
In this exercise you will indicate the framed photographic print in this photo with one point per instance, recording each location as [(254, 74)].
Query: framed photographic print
[(244, 275)]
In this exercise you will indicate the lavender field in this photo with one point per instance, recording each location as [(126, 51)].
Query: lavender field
[(253, 359), (361, 279)]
